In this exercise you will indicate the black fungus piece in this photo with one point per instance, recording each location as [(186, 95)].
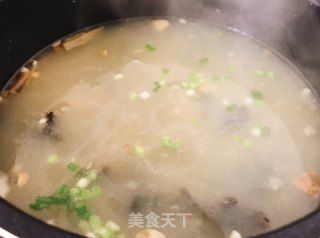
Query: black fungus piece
[(50, 118), (49, 129), (229, 202)]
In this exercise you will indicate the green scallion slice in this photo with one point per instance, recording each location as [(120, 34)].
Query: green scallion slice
[(265, 74), (95, 222), (91, 175), (74, 167), (83, 212), (260, 130), (158, 85), (139, 150), (112, 226), (39, 206), (95, 191), (134, 97), (165, 71), (52, 159), (64, 190), (203, 61), (243, 141), (231, 107), (194, 121), (170, 143), (194, 81), (150, 47), (257, 96)]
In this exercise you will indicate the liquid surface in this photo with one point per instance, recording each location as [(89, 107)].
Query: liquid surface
[(177, 118)]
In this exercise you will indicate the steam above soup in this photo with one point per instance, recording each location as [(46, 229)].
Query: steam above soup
[(158, 128)]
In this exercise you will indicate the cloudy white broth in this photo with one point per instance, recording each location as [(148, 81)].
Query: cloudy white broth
[(161, 128)]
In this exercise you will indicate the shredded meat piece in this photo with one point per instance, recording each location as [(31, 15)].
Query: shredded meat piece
[(309, 183)]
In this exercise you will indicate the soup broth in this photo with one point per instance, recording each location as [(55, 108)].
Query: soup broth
[(161, 128)]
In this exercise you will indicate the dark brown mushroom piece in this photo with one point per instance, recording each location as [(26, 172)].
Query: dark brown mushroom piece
[(77, 40), (26, 74), (48, 128)]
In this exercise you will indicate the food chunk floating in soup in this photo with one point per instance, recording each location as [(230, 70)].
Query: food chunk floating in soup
[(160, 128)]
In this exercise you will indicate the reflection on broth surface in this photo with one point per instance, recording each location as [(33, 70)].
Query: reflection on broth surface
[(158, 128)]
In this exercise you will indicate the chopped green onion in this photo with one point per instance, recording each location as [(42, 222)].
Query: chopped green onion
[(39, 206), (95, 191), (150, 47), (83, 212), (257, 96), (64, 190), (170, 143), (103, 232), (203, 61), (134, 97), (242, 141), (52, 159), (260, 73), (139, 150), (71, 205), (165, 71), (83, 183), (265, 74), (194, 81), (158, 85), (74, 198), (112, 226), (107, 230), (265, 131), (91, 175), (85, 195), (51, 200), (74, 167), (84, 227), (95, 222), (260, 130), (231, 107), (75, 192), (270, 75), (43, 202), (194, 121)]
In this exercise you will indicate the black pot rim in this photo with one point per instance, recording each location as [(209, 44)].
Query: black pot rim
[(23, 215)]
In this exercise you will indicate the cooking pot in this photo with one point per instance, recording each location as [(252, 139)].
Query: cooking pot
[(291, 27)]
